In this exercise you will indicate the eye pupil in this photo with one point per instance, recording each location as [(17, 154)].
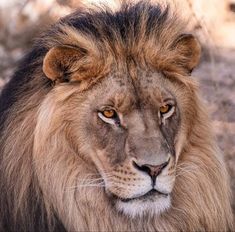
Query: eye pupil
[(109, 113), (164, 109)]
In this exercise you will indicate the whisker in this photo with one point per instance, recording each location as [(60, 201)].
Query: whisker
[(91, 180)]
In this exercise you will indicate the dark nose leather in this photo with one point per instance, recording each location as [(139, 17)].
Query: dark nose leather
[(152, 170)]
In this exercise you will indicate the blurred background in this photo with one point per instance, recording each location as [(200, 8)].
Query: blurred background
[(213, 21)]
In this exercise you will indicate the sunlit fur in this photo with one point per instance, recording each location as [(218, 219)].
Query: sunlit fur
[(48, 180)]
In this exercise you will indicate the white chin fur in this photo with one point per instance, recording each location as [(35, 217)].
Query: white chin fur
[(140, 208)]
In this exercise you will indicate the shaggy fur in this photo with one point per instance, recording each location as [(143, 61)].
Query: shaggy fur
[(44, 148)]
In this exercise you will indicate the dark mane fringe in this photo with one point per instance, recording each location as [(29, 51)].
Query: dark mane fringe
[(130, 21)]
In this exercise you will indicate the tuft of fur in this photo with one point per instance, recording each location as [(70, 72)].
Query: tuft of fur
[(138, 34)]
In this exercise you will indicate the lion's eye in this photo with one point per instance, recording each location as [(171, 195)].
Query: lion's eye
[(166, 111), (109, 113), (109, 116)]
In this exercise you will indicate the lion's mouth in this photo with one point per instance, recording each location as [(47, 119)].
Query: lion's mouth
[(150, 195)]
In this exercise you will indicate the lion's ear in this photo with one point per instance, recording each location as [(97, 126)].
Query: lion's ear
[(189, 50), (60, 62)]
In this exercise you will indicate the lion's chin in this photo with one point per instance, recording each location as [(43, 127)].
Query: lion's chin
[(149, 204)]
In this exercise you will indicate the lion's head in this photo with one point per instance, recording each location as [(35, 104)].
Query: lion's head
[(107, 123), (129, 129)]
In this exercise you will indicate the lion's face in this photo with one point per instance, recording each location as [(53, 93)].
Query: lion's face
[(130, 130)]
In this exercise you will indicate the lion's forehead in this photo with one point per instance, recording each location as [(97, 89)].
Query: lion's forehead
[(142, 87)]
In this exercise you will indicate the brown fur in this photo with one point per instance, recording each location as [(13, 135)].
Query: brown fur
[(52, 157)]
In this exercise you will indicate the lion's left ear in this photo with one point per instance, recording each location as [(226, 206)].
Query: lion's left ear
[(189, 51)]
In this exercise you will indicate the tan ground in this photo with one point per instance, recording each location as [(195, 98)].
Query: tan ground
[(211, 20)]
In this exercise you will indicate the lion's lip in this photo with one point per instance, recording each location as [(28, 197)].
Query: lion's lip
[(145, 196)]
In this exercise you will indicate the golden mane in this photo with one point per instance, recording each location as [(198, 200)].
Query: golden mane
[(34, 119)]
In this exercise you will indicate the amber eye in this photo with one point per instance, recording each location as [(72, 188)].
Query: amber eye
[(109, 116), (164, 109), (109, 113)]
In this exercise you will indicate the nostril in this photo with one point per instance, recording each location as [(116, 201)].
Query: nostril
[(152, 170), (143, 168)]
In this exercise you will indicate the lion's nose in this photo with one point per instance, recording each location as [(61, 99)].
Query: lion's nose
[(152, 170)]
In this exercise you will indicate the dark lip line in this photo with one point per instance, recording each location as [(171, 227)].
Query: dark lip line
[(149, 193)]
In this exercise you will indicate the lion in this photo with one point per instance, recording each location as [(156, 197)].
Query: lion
[(103, 129)]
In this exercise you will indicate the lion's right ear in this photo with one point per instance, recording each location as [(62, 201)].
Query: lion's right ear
[(60, 62)]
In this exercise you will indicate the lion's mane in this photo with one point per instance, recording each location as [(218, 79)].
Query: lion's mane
[(201, 197)]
